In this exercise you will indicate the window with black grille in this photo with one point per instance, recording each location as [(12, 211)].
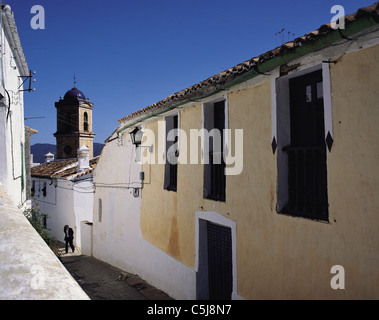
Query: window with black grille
[(214, 164), (172, 153), (44, 189), (306, 153), (220, 279)]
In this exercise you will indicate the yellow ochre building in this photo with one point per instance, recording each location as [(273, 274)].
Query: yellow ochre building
[(282, 204)]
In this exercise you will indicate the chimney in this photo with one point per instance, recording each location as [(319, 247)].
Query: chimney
[(83, 158), (49, 157)]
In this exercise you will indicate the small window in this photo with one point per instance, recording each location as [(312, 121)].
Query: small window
[(172, 153), (44, 189), (33, 190), (302, 159), (44, 221), (85, 121), (214, 165)]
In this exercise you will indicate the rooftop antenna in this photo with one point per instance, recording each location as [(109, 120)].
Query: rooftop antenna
[(280, 39), (280, 36)]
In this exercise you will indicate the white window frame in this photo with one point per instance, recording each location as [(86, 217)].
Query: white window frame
[(328, 116), (226, 131), (280, 95)]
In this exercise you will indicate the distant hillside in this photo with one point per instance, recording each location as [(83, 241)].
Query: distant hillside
[(39, 150), (97, 148)]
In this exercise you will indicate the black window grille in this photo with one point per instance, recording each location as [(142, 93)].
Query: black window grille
[(307, 196), (172, 153), (214, 170), (220, 279), (217, 176), (307, 166)]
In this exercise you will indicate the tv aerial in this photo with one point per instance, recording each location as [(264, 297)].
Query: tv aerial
[(280, 36)]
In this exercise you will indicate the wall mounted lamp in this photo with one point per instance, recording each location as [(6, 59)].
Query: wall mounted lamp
[(136, 136)]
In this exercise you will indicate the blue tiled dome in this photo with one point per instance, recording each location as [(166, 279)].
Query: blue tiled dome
[(74, 94)]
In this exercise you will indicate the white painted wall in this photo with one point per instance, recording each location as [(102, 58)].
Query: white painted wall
[(58, 204), (12, 132), (86, 238), (117, 238), (83, 205), (66, 202), (29, 269)]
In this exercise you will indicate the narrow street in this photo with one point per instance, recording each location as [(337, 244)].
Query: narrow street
[(101, 281)]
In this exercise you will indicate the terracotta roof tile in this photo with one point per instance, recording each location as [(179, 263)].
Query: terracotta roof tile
[(60, 168), (48, 169), (30, 130), (72, 171), (232, 73)]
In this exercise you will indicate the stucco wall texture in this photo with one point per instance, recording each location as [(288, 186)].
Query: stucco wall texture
[(279, 256)]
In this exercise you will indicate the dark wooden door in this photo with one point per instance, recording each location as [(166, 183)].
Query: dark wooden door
[(219, 262)]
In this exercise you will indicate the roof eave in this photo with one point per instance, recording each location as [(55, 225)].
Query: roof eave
[(311, 42), (14, 39)]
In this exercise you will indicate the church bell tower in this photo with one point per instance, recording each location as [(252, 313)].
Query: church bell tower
[(74, 124)]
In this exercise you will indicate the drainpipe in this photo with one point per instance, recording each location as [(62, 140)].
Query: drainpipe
[(271, 64)]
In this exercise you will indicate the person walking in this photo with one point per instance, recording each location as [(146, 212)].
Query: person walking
[(69, 237)]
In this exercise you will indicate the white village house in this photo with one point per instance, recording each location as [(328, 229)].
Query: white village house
[(63, 190), (29, 270), (13, 68)]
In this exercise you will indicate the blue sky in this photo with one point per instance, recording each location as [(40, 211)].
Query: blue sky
[(127, 55)]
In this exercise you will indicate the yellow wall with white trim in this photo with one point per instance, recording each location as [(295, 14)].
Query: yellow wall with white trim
[(278, 256)]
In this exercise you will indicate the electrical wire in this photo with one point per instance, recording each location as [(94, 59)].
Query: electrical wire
[(73, 189), (116, 185)]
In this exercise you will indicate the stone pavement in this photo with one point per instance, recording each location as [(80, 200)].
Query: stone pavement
[(102, 281)]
